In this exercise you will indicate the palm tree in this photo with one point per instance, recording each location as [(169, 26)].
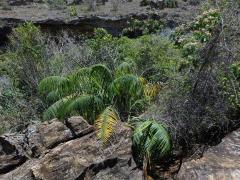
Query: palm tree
[(106, 97), (151, 143), (88, 91)]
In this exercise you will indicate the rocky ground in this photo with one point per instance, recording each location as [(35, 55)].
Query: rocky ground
[(54, 151)]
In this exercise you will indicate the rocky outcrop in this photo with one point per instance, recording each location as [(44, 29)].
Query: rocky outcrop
[(53, 150), (11, 152), (58, 20), (219, 162)]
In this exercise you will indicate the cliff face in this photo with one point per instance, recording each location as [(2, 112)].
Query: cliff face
[(52, 151), (60, 19)]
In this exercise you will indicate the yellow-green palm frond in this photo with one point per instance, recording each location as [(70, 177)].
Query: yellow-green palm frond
[(142, 80), (106, 123), (151, 90)]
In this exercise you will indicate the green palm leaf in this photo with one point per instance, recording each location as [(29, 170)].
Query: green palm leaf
[(126, 90), (101, 75), (81, 81), (106, 123), (151, 140), (58, 109), (88, 106), (53, 96), (124, 69), (54, 83)]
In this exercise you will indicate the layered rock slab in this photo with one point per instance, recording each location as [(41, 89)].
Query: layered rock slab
[(218, 162), (73, 152)]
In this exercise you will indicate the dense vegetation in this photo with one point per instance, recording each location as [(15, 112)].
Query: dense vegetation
[(174, 93)]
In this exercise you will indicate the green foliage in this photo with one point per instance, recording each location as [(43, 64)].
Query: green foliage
[(170, 3), (15, 110), (88, 91), (141, 27), (151, 56), (151, 142), (24, 60), (231, 85), (191, 37), (126, 90), (73, 10)]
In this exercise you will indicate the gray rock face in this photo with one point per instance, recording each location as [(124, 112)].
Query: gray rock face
[(11, 152), (54, 151), (22, 2), (219, 162)]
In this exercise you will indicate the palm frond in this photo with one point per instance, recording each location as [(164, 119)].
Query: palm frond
[(106, 123), (127, 85), (88, 106), (101, 75), (151, 90), (80, 80), (54, 83), (151, 140), (58, 109), (124, 69), (142, 80), (125, 91), (53, 96)]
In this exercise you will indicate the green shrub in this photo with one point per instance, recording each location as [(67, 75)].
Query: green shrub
[(73, 10), (142, 27), (25, 55), (170, 3), (15, 111), (231, 84), (190, 38)]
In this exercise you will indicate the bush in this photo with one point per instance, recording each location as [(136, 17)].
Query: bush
[(142, 27), (193, 36), (15, 110), (25, 55)]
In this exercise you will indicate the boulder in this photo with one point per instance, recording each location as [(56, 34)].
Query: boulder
[(219, 162), (11, 152), (79, 126), (85, 158), (53, 151), (47, 135)]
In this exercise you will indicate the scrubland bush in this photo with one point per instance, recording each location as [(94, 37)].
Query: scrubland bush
[(140, 27), (190, 38)]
